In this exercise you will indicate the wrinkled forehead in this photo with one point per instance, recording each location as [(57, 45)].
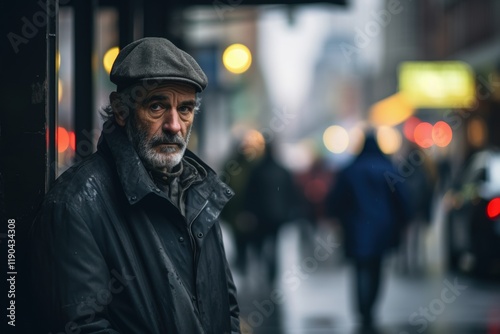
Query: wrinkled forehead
[(173, 88)]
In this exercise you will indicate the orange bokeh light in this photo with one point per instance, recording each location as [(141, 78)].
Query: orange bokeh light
[(423, 135), (442, 134), (62, 139)]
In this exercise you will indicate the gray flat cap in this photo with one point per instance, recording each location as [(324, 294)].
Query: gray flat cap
[(154, 58)]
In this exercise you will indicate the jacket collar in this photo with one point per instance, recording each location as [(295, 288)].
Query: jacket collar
[(134, 177)]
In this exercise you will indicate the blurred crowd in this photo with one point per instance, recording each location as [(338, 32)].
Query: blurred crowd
[(377, 207)]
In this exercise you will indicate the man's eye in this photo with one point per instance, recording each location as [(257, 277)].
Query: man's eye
[(156, 107), (185, 109)]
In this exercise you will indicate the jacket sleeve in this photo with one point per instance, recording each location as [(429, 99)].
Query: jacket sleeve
[(233, 304), (72, 279), (234, 309)]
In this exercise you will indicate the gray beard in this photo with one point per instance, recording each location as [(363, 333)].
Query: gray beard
[(145, 147)]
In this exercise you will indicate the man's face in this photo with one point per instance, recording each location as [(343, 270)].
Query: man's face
[(159, 128)]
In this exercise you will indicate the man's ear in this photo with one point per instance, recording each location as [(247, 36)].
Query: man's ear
[(120, 109)]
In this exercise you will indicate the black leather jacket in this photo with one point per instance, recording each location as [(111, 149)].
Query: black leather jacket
[(112, 254)]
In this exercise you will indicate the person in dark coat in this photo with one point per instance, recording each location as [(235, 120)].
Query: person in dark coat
[(241, 163), (128, 240), (270, 201), (372, 209), (420, 184)]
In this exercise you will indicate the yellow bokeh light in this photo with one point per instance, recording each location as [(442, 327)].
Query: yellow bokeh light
[(59, 90), (389, 139), (237, 58), (336, 139), (357, 138), (391, 111), (109, 58), (58, 61), (477, 132)]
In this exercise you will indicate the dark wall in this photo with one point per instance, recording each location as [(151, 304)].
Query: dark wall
[(23, 143)]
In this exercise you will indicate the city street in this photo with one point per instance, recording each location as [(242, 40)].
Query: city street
[(313, 293), (346, 151)]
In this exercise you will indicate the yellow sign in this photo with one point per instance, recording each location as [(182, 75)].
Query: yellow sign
[(437, 84)]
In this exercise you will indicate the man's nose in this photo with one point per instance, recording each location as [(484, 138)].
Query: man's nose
[(171, 122)]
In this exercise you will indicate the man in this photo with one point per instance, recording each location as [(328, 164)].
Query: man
[(270, 202), (372, 211), (128, 240)]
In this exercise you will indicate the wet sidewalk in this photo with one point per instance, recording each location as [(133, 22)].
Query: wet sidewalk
[(313, 294)]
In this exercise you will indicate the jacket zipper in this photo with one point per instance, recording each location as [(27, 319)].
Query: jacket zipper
[(190, 232), (193, 245)]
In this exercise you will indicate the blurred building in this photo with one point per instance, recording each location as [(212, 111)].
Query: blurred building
[(469, 31), (401, 35), (449, 30)]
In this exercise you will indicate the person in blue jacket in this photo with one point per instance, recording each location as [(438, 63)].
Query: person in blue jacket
[(371, 203)]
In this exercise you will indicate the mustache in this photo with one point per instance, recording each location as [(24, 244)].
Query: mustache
[(167, 138)]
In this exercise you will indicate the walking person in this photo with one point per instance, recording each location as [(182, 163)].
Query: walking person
[(270, 201), (242, 160), (372, 208), (420, 184)]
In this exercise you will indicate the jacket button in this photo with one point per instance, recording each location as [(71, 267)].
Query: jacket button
[(200, 235), (228, 191), (181, 239)]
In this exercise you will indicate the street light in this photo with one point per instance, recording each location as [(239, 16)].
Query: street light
[(237, 58)]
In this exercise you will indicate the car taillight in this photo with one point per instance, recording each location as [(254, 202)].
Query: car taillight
[(493, 208)]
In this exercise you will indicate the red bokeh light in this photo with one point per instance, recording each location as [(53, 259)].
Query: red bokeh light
[(409, 128), (442, 134), (72, 140), (62, 139), (493, 208), (423, 135)]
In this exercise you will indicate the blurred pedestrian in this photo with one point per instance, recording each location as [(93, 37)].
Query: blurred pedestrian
[(420, 183), (270, 201), (238, 167), (372, 208), (314, 183)]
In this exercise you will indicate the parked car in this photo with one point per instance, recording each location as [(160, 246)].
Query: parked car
[(472, 224)]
